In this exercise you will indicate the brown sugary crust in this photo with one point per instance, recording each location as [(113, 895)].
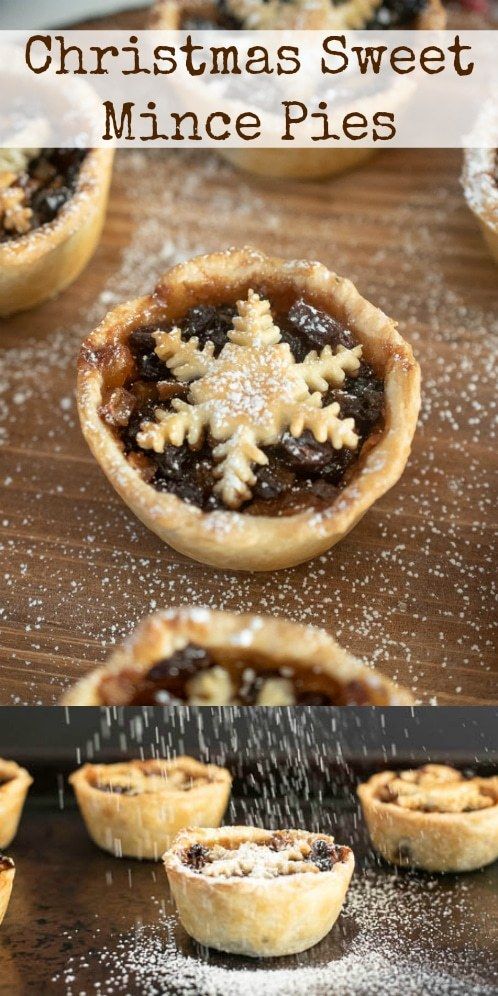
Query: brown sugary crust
[(144, 825), (276, 640), (255, 917), (436, 842), (224, 538), (12, 796), (37, 266), (7, 873)]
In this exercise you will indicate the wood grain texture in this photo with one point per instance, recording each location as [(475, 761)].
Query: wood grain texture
[(411, 588)]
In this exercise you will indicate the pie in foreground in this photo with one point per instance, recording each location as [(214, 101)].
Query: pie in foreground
[(251, 409), (258, 893), (14, 785), (201, 657), (136, 808), (7, 872), (433, 818)]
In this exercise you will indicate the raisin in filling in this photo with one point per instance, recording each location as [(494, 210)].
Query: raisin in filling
[(40, 192), (5, 863), (175, 679), (301, 473)]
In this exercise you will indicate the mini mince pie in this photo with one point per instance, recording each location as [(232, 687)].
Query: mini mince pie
[(250, 410), (433, 817), (14, 785), (52, 209), (200, 657), (326, 15), (480, 178), (7, 872), (135, 808), (258, 892)]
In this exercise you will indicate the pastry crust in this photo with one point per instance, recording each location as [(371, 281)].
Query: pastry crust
[(14, 785), (435, 841), (256, 917), (7, 872), (225, 538), (37, 266), (268, 644), (305, 163), (480, 179), (143, 824)]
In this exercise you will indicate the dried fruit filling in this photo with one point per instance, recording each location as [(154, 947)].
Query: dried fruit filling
[(35, 196), (195, 676), (5, 863), (293, 396), (282, 854)]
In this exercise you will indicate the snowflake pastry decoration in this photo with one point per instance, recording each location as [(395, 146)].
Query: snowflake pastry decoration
[(247, 396)]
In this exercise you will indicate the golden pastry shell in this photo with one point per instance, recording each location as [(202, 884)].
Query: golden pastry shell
[(12, 797), (6, 883), (224, 538), (435, 842), (37, 266), (144, 825), (266, 917)]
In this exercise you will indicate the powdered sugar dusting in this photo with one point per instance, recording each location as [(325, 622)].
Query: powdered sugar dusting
[(388, 942)]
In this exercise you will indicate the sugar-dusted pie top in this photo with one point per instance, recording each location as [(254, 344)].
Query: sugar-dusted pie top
[(149, 777), (438, 788), (283, 853), (480, 172), (256, 406)]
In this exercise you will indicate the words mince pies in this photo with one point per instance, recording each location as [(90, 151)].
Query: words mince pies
[(14, 785), (433, 817), (251, 409), (52, 209), (201, 657), (258, 892), (135, 808), (7, 872)]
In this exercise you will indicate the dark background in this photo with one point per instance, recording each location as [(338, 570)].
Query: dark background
[(250, 736)]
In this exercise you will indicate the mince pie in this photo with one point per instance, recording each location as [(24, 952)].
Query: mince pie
[(433, 817), (258, 892), (304, 163), (250, 410), (480, 178), (14, 785), (201, 657), (7, 872), (52, 209), (135, 808)]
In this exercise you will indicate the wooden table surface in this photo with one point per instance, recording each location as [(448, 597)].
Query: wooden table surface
[(411, 588)]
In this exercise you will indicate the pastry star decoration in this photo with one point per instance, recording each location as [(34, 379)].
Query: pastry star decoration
[(248, 396)]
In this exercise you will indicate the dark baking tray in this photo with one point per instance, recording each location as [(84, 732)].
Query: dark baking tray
[(81, 922)]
